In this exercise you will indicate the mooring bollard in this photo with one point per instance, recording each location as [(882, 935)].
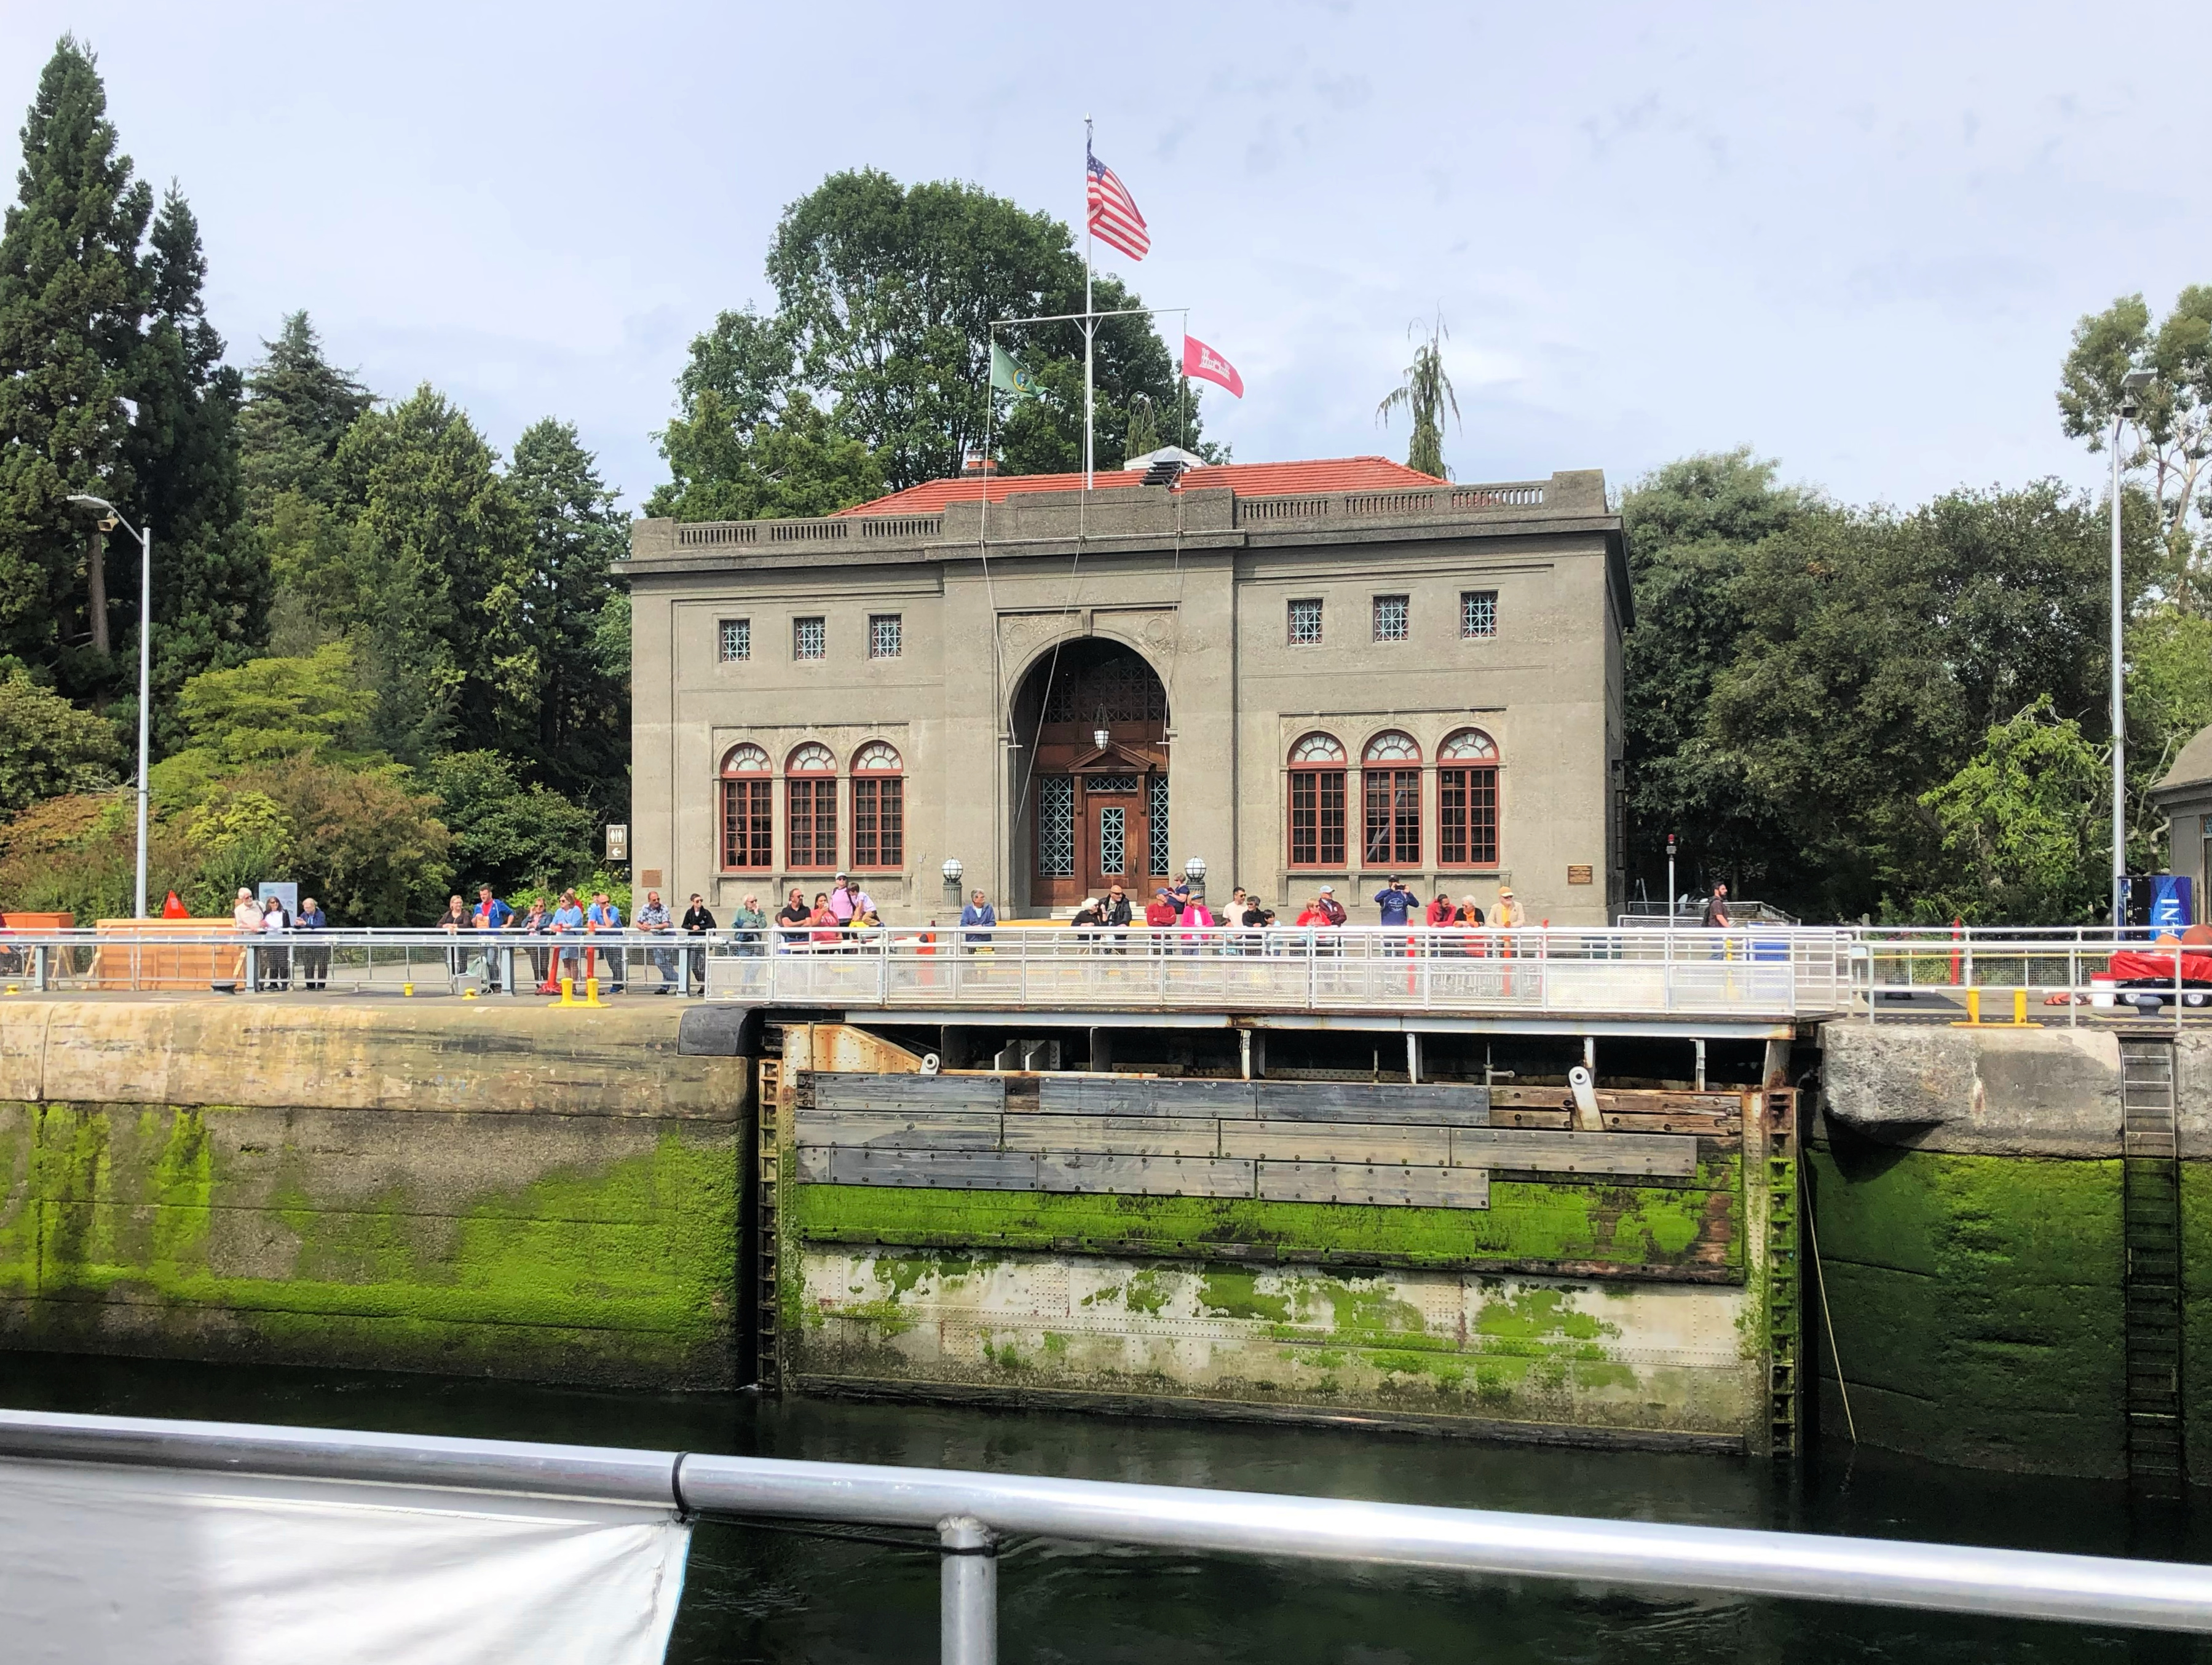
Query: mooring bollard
[(968, 1599), (592, 993), (568, 993)]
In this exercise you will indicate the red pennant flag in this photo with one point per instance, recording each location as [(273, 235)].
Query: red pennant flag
[(1201, 360)]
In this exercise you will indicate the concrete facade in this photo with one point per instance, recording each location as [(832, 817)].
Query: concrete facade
[(2185, 795), (1196, 583)]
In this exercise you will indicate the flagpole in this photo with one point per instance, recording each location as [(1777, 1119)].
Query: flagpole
[(1090, 322)]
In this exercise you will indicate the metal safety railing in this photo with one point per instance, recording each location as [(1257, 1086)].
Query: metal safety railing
[(970, 1513), (1759, 972), (2016, 976), (1548, 971)]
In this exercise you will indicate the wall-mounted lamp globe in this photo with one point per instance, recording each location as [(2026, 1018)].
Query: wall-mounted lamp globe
[(952, 870), (1194, 871)]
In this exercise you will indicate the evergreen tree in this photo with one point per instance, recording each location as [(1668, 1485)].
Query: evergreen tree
[(212, 585), (437, 564), (298, 407), (72, 298), (576, 535)]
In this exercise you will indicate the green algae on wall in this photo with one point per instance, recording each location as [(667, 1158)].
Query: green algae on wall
[(1643, 1357), (1977, 1305), (584, 1249), (1683, 1232)]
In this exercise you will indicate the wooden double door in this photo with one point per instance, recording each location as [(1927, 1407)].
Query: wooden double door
[(1093, 832)]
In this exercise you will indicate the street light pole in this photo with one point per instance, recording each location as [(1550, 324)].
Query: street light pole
[(2130, 384), (145, 661)]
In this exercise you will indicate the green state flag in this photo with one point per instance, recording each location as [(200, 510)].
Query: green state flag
[(1010, 376)]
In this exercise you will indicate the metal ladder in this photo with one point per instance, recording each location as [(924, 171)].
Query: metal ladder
[(2151, 1283), (767, 1354)]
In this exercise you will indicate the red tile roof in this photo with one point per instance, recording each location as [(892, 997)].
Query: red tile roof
[(1246, 479)]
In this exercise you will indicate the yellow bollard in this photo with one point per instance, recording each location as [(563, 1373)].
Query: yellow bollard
[(468, 995), (2020, 1008), (568, 993), (1974, 1020), (407, 988), (592, 991), (12, 989)]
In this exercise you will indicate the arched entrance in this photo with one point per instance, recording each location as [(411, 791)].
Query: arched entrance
[(1093, 721)]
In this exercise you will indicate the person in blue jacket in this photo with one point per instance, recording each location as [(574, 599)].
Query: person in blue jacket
[(1396, 902)]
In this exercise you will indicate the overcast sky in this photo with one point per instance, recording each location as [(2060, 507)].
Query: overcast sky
[(1855, 238)]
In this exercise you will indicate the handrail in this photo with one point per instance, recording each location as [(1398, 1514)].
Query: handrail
[(969, 1509)]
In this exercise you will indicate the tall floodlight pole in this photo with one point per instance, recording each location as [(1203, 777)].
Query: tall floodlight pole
[(113, 517), (2131, 385)]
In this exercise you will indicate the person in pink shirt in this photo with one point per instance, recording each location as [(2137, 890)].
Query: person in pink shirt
[(1197, 926)]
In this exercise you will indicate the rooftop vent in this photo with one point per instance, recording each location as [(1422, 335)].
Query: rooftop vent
[(1166, 465)]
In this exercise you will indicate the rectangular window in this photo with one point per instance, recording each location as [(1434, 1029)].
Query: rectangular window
[(811, 834), (1389, 618), (1478, 614), (1393, 816), (1467, 817), (878, 821), (1305, 624), (748, 825), (1317, 818), (883, 635), (1055, 826), (737, 639), (810, 638), (1159, 827)]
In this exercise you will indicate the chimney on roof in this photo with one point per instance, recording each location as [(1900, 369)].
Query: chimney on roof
[(1166, 465), (975, 465)]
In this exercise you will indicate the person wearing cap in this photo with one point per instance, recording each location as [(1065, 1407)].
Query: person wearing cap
[(1395, 901), (1161, 914), (1086, 921), (1507, 914), (1332, 911)]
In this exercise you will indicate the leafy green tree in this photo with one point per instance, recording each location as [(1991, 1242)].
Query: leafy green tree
[(1143, 435), (1690, 526), (1876, 653), (438, 565), (72, 297), (270, 710), (2021, 827), (2169, 434), (211, 582), (48, 746), (508, 834), (798, 465), (1423, 395), (886, 293), (372, 851), (577, 534)]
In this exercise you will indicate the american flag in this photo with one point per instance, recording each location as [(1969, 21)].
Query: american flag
[(1114, 220)]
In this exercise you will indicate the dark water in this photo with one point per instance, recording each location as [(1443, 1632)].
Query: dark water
[(767, 1596)]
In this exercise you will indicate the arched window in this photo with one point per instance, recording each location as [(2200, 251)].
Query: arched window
[(810, 812), (1466, 800), (879, 807), (1390, 783), (1317, 802), (748, 810)]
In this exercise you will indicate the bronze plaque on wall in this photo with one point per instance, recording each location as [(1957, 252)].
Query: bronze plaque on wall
[(1580, 875)]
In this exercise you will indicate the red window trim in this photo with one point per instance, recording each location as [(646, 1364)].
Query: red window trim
[(1321, 864), (894, 863), (813, 779), (749, 780), (1470, 863)]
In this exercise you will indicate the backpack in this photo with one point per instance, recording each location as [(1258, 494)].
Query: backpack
[(1332, 911)]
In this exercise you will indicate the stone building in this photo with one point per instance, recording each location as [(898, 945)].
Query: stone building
[(1299, 674), (2185, 795)]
